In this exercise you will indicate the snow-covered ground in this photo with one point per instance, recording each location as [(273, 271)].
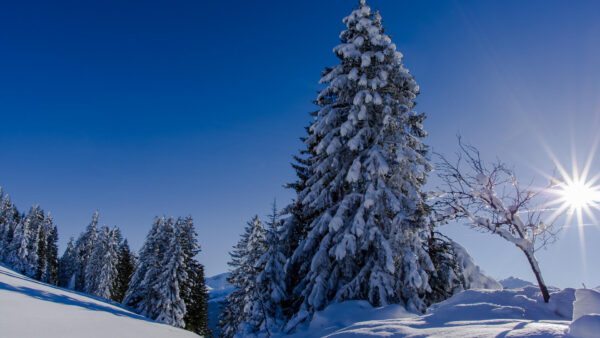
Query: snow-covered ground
[(29, 308), (472, 313)]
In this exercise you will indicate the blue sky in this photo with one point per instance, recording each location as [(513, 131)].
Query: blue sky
[(148, 108)]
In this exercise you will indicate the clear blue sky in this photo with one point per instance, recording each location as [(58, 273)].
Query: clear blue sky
[(144, 108)]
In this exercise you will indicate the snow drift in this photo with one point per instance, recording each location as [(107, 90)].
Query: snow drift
[(35, 309), (472, 313)]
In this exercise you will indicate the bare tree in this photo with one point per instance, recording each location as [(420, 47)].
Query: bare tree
[(493, 201)]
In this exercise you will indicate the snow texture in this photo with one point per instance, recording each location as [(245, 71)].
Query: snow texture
[(35, 309), (586, 314), (472, 313)]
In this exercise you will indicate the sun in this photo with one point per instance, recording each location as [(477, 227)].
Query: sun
[(578, 195)]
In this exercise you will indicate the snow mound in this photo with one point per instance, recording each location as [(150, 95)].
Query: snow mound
[(35, 309), (474, 276), (340, 315), (471, 313), (586, 326), (514, 283), (586, 314), (587, 301)]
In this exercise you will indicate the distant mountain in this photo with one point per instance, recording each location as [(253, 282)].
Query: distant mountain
[(218, 289), (514, 283)]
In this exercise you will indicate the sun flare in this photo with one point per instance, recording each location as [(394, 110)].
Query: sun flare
[(579, 195)]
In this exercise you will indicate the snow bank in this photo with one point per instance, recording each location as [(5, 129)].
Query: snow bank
[(35, 309), (586, 314), (340, 315), (472, 313), (587, 301), (587, 326)]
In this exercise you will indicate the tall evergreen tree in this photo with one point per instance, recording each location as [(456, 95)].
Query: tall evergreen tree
[(9, 218), (101, 270), (83, 251), (196, 316), (196, 293), (23, 255), (236, 317), (141, 295), (172, 283), (68, 266), (52, 264), (125, 269), (361, 197), (47, 255), (270, 281)]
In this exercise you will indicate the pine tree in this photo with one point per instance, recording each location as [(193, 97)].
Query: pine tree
[(270, 281), (362, 194), (83, 251), (141, 295), (125, 269), (68, 266), (101, 270), (236, 317), (9, 218), (195, 294), (23, 255), (196, 316), (51, 276), (172, 283), (447, 278), (47, 252)]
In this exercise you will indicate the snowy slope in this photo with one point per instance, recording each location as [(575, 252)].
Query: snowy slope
[(472, 313), (29, 308), (514, 283)]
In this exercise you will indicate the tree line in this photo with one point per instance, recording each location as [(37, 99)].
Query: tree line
[(164, 283)]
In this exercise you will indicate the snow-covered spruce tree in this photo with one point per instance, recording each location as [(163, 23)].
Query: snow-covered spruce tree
[(196, 316), (137, 293), (47, 266), (366, 240), (83, 251), (141, 295), (270, 283), (172, 283), (448, 278), (23, 249), (9, 218), (241, 303), (101, 270), (68, 266), (125, 267), (195, 293)]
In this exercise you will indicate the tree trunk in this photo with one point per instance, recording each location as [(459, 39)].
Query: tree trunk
[(538, 275)]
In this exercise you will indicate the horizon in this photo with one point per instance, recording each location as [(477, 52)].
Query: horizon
[(192, 109)]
